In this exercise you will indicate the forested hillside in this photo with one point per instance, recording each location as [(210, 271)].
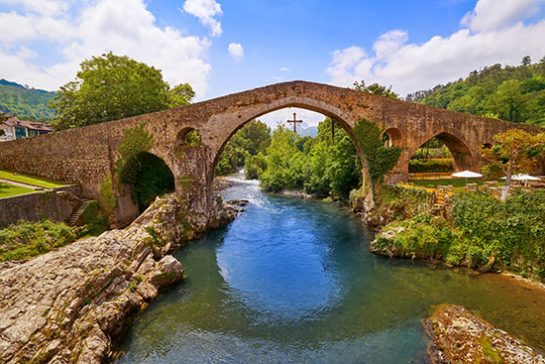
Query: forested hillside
[(514, 93), (25, 103)]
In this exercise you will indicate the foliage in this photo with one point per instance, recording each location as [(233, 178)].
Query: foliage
[(180, 95), (479, 232), (111, 87), (517, 151), (284, 162), (430, 165), (94, 222), (24, 102), (511, 93), (380, 159), (492, 171), (135, 141), (25, 240), (332, 167), (107, 199), (376, 89), (254, 165), (250, 140)]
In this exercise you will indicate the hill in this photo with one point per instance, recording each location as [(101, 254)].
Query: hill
[(25, 103), (514, 93)]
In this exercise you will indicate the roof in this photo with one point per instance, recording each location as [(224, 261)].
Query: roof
[(33, 125)]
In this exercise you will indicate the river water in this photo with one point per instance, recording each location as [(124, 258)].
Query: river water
[(292, 281)]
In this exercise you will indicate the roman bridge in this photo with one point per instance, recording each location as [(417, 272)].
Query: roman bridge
[(89, 155)]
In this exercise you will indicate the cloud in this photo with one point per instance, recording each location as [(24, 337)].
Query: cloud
[(205, 11), (125, 27), (236, 51), (42, 7), (488, 36), (279, 117), (284, 69), (490, 15)]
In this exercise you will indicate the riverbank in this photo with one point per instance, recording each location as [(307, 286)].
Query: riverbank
[(67, 305)]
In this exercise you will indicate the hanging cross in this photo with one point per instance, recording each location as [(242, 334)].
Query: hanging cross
[(294, 121)]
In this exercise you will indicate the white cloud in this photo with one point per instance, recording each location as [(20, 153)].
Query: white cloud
[(236, 51), (494, 37), (125, 27), (205, 11), (490, 15), (43, 7), (284, 69)]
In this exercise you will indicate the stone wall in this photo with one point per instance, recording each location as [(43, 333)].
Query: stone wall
[(56, 205)]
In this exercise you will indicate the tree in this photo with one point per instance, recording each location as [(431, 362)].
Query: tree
[(181, 95), (375, 89), (508, 102), (526, 61), (517, 151), (111, 87)]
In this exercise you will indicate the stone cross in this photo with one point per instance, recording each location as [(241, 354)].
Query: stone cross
[(294, 121)]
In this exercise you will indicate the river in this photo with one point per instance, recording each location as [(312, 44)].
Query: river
[(292, 281)]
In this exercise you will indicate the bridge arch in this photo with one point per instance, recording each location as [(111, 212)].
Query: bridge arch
[(146, 176), (463, 157), (234, 122)]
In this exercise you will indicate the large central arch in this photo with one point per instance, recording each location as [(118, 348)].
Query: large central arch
[(242, 118)]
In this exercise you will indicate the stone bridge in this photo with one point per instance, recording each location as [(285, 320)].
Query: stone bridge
[(88, 155)]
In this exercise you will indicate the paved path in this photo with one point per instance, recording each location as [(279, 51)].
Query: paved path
[(21, 184)]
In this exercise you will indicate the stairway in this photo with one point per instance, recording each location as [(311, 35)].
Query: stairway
[(73, 219)]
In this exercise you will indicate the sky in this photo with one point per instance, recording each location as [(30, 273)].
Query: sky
[(226, 46)]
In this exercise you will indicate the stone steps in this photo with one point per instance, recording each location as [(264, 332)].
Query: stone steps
[(73, 219)]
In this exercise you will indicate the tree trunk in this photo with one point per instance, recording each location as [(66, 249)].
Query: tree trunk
[(508, 176)]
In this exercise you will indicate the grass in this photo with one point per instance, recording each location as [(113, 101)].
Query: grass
[(7, 190), (34, 181), (456, 182)]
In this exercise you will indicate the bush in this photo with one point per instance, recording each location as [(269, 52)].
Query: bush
[(431, 165), (25, 240)]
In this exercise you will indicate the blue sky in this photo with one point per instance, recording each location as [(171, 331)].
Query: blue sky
[(225, 46)]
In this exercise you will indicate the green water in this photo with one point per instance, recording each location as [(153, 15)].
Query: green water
[(292, 281)]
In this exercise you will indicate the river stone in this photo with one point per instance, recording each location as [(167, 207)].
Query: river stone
[(65, 306), (458, 336)]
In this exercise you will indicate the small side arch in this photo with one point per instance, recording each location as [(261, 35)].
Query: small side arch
[(463, 158), (392, 137)]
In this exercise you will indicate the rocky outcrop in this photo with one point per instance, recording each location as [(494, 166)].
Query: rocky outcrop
[(65, 306), (458, 336)]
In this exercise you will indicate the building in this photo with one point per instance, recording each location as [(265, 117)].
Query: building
[(18, 129)]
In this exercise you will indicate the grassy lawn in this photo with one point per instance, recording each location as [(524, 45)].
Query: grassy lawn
[(7, 190), (456, 182), (35, 181)]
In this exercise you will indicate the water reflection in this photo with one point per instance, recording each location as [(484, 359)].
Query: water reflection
[(292, 281)]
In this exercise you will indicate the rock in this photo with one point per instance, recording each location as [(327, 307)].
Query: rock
[(168, 271), (458, 336), (65, 306)]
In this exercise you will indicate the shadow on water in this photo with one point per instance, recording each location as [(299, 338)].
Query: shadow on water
[(293, 281)]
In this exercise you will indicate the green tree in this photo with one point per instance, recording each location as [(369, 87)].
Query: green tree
[(526, 61), (517, 150), (111, 87), (252, 139), (508, 102), (375, 89), (284, 162), (180, 95)]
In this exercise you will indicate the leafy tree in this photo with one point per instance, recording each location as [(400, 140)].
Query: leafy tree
[(526, 61), (252, 139), (181, 95), (111, 87), (375, 89), (517, 150), (23, 102), (508, 102), (284, 162)]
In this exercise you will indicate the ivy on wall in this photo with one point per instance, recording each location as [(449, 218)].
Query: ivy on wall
[(135, 141), (380, 159)]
